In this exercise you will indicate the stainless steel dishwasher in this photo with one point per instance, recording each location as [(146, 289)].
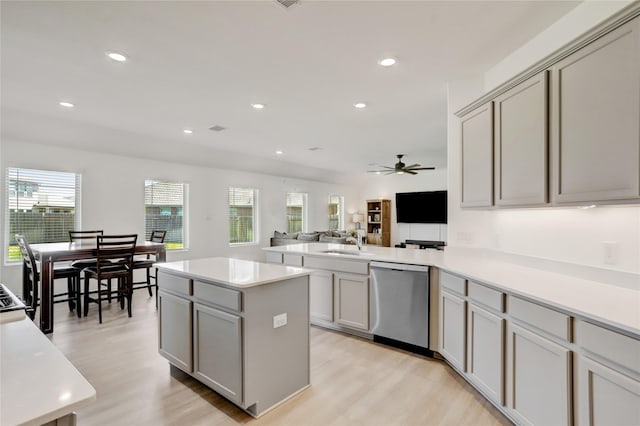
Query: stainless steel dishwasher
[(399, 306)]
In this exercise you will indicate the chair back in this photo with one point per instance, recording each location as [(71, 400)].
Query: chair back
[(30, 282), (157, 236), (84, 235), (116, 248)]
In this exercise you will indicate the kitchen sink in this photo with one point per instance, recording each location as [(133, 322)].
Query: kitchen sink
[(349, 252)]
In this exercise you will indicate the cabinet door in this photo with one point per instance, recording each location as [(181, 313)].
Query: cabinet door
[(485, 360), (477, 157), (274, 257), (174, 342), (521, 144), (538, 379), (606, 397), (321, 295), (453, 329), (595, 126), (351, 300), (217, 350)]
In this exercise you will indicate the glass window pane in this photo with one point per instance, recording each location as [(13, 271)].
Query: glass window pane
[(336, 212), (242, 215), (42, 205), (164, 205), (296, 212)]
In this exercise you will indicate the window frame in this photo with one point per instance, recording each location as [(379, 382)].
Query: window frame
[(304, 215), (24, 192), (185, 212), (340, 212), (255, 216)]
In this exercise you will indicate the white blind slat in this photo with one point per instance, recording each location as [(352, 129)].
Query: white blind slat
[(164, 204)]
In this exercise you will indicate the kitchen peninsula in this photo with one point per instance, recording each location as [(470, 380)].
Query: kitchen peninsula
[(238, 326)]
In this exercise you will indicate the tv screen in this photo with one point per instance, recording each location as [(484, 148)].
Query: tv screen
[(421, 207)]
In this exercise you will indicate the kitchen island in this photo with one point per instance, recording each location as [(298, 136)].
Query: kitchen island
[(238, 326)]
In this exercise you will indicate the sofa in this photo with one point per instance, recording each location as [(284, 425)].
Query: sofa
[(282, 238)]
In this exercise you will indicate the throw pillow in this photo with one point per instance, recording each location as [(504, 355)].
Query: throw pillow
[(313, 236), (284, 235), (335, 240)]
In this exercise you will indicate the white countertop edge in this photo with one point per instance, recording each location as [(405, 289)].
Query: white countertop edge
[(205, 273), (35, 368), (608, 305)]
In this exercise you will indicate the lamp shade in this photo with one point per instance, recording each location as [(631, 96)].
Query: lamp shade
[(357, 217)]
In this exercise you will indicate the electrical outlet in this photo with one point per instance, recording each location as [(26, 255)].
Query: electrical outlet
[(279, 320), (610, 252)]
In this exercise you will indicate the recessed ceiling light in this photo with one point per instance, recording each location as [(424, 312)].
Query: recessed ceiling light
[(258, 106), (279, 152), (116, 56), (187, 131), (387, 62), (67, 104), (360, 105)]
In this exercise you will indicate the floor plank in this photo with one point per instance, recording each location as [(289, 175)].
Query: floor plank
[(354, 381)]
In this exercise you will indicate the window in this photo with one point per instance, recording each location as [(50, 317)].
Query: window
[(242, 215), (296, 212), (42, 205), (164, 205), (336, 213)]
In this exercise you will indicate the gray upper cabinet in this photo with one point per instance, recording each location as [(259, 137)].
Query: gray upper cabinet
[(596, 120), (520, 144), (477, 157)]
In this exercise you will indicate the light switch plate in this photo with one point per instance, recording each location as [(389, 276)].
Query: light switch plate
[(279, 320)]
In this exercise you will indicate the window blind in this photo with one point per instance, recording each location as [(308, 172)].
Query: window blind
[(336, 212), (164, 208), (296, 212), (42, 205), (242, 215)]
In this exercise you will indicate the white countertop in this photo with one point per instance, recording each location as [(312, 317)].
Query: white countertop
[(610, 305), (233, 272), (37, 383)]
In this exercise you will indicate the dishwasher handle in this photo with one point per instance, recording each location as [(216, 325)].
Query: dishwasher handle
[(399, 266)]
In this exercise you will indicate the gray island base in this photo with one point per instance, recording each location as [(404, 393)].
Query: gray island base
[(239, 327)]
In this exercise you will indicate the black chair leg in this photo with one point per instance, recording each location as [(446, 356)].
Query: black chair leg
[(86, 295), (149, 281), (100, 302), (78, 295), (71, 294), (129, 293)]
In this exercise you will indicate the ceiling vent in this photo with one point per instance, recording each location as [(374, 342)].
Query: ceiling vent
[(217, 128), (287, 3), (315, 148)]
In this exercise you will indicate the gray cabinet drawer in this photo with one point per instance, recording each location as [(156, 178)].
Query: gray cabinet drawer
[(608, 344), (220, 296), (555, 323), (175, 284), (453, 283), (274, 257), (486, 296)]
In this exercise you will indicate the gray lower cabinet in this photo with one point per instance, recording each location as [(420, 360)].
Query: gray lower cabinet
[(351, 300), (595, 127), (175, 330), (477, 157), (321, 295), (453, 328), (485, 359), (217, 350), (538, 379), (521, 144)]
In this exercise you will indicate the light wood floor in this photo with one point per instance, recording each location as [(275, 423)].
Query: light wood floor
[(353, 381)]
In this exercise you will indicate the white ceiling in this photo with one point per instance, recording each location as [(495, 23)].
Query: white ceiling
[(199, 64)]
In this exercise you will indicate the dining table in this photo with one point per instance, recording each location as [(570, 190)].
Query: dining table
[(50, 253)]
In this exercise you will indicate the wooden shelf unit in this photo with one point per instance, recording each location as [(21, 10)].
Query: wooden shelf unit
[(379, 222)]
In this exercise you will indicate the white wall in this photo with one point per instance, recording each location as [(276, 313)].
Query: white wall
[(386, 186), (113, 198), (558, 234)]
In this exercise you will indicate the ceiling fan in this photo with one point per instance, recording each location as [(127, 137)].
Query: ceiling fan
[(401, 168)]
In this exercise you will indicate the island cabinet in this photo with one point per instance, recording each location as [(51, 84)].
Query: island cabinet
[(477, 157), (321, 295), (247, 341), (595, 126), (452, 321)]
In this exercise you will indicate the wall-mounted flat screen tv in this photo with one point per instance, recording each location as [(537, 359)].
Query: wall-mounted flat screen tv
[(421, 207)]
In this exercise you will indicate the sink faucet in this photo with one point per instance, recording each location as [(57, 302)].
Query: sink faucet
[(355, 240)]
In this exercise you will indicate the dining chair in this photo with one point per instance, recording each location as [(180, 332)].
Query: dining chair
[(114, 260), (31, 282), (146, 262)]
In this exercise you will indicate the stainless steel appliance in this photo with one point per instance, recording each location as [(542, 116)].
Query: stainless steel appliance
[(399, 305), (11, 308)]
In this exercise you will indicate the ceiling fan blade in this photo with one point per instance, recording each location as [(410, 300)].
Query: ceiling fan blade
[(376, 171), (390, 173), (413, 166), (411, 172), (423, 168)]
